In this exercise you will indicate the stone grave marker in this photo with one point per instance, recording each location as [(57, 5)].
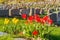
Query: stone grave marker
[(15, 12), (58, 19), (4, 13), (38, 11), (53, 16)]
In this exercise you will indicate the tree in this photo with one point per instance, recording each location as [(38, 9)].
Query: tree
[(1, 1)]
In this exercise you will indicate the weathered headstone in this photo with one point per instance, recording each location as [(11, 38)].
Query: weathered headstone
[(23, 11), (58, 18), (53, 16), (4, 13), (26, 11), (15, 12), (38, 11)]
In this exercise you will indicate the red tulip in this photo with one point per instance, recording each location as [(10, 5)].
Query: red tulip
[(45, 18), (30, 19), (34, 33), (36, 18), (42, 21), (23, 16), (49, 21)]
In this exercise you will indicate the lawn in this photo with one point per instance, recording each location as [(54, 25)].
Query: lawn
[(54, 34)]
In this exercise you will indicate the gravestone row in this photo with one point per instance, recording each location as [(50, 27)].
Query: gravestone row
[(17, 12)]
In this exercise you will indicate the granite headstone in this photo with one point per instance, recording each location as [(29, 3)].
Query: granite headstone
[(58, 19), (4, 13), (15, 12), (53, 16)]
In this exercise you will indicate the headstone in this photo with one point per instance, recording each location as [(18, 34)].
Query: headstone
[(26, 11), (15, 12), (38, 11), (53, 16), (23, 11), (4, 13), (58, 18)]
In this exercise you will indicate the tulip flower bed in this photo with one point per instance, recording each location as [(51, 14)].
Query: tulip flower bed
[(34, 27)]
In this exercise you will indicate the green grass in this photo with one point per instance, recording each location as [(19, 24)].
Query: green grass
[(54, 35)]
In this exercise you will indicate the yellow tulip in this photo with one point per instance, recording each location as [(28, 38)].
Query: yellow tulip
[(6, 21), (14, 20)]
